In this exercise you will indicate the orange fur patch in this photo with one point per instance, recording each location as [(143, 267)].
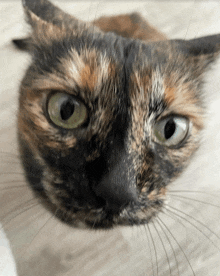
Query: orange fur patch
[(129, 25), (155, 194), (88, 78), (181, 100), (169, 94), (139, 95)]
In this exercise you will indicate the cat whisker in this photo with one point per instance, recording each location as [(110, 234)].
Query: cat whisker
[(151, 255), (195, 226), (164, 225), (36, 215), (10, 162), (162, 229), (17, 173), (16, 208), (192, 206), (177, 219), (94, 223), (44, 224), (195, 192), (10, 154), (30, 207), (192, 199), (12, 181), (164, 248), (12, 187), (66, 218), (154, 246), (138, 227), (199, 222), (12, 173)]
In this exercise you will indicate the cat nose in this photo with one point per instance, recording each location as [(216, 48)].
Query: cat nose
[(117, 187)]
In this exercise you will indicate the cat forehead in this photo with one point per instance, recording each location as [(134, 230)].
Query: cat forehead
[(161, 73), (151, 78), (147, 95), (88, 70), (82, 74), (87, 59)]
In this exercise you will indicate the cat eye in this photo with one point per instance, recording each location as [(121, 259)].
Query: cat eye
[(171, 131), (66, 111)]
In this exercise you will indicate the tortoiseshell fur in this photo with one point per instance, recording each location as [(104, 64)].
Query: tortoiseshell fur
[(111, 170)]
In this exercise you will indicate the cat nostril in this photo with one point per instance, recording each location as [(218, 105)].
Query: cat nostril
[(113, 200), (117, 189), (111, 205)]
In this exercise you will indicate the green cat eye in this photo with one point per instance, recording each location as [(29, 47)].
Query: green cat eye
[(172, 130), (66, 111)]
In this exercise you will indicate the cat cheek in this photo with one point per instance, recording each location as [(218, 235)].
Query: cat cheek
[(156, 195)]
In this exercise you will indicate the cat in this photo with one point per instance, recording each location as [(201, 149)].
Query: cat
[(107, 121), (139, 114)]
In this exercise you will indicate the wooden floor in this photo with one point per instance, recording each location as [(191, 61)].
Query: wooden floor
[(43, 246)]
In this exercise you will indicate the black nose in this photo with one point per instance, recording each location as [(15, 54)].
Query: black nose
[(117, 186)]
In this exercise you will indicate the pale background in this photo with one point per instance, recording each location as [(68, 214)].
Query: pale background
[(42, 246)]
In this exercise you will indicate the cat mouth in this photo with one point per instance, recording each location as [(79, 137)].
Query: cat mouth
[(127, 217), (104, 218), (135, 212), (98, 213)]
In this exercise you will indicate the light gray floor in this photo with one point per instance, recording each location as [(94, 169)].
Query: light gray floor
[(42, 245)]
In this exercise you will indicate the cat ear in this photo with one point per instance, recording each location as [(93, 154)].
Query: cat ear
[(39, 11), (48, 22), (201, 46), (200, 51)]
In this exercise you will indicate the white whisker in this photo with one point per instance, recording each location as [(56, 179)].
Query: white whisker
[(196, 227), (195, 200), (178, 245), (177, 264), (151, 254), (155, 251), (164, 248)]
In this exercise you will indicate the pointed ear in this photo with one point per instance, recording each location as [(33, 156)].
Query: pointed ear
[(201, 46), (43, 11), (48, 23), (200, 51)]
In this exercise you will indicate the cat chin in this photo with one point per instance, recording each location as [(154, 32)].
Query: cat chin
[(104, 219)]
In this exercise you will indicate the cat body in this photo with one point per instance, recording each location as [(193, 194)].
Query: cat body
[(139, 114)]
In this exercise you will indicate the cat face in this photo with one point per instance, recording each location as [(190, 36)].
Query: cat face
[(105, 123)]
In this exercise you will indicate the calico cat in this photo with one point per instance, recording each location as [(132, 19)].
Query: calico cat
[(110, 114)]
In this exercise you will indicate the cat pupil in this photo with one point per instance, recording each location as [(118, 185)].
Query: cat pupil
[(169, 129), (66, 110)]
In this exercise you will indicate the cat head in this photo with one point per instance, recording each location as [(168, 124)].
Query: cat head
[(105, 123)]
